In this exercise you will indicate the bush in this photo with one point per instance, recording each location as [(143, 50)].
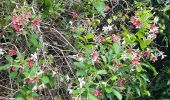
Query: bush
[(91, 49)]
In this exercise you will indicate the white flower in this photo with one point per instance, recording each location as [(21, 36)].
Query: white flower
[(1, 51), (81, 81), (42, 86), (71, 23), (162, 54), (152, 36), (35, 88), (78, 57), (67, 77), (40, 72), (156, 19), (54, 73), (124, 57), (34, 56), (70, 91), (104, 83), (124, 42), (107, 28)]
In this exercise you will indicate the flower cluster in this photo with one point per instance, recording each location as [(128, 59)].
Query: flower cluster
[(97, 92), (31, 80), (135, 21), (13, 68), (13, 52), (95, 57), (18, 22)]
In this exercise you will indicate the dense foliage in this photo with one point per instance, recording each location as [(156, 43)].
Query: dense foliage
[(90, 49)]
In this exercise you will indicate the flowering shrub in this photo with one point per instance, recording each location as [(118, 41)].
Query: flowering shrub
[(116, 64), (31, 72), (100, 49)]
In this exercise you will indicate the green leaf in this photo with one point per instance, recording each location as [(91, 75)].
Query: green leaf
[(117, 94), (79, 64), (91, 97), (104, 59), (109, 21), (4, 67), (19, 79), (142, 45), (45, 79), (108, 89), (78, 91), (80, 73), (147, 92), (108, 40), (114, 17), (13, 74), (19, 98), (100, 6), (9, 58), (102, 72), (89, 36), (145, 43), (139, 68), (137, 90), (126, 31), (140, 35), (47, 6), (33, 39), (117, 47), (113, 78), (148, 65)]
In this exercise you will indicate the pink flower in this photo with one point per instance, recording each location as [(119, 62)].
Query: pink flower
[(27, 15), (146, 53), (118, 65), (46, 68), (15, 19), (21, 21), (129, 51), (13, 52), (97, 92), (106, 8), (81, 81), (34, 80), (121, 82), (12, 68), (74, 14), (135, 22), (135, 61), (27, 80), (95, 57), (154, 29), (16, 27), (100, 39), (78, 57), (152, 36), (30, 63), (20, 31), (115, 38), (21, 69), (41, 87), (154, 58), (36, 22)]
